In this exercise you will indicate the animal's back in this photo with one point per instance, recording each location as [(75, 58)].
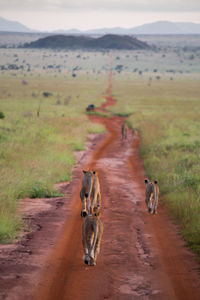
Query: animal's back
[(149, 189)]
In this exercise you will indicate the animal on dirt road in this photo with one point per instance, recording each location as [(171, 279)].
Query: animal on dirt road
[(92, 230), (133, 133), (124, 130), (152, 196), (90, 192)]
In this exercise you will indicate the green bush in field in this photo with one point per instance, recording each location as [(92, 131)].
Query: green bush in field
[(38, 190), (47, 94), (2, 116)]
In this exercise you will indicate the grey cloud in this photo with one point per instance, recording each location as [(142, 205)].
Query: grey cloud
[(106, 5)]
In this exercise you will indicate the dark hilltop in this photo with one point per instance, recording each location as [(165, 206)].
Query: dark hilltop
[(108, 41)]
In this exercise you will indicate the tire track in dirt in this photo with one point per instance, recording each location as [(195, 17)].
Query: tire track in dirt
[(141, 255)]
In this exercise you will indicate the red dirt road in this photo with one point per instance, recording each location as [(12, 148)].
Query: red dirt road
[(141, 257)]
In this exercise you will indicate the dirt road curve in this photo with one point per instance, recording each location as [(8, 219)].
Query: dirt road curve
[(141, 257)]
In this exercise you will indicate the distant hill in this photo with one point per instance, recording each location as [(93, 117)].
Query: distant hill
[(113, 30), (109, 41), (59, 41), (160, 27), (13, 26), (68, 31), (165, 27)]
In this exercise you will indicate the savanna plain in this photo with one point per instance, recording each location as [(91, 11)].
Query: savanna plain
[(43, 97)]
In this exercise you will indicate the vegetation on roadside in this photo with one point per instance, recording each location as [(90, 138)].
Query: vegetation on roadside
[(2, 116), (44, 95), (37, 150), (167, 116), (98, 113)]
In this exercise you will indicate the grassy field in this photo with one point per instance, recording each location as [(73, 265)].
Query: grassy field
[(37, 151), (159, 92), (167, 115)]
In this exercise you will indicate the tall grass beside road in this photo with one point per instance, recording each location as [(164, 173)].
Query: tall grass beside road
[(167, 116), (37, 148)]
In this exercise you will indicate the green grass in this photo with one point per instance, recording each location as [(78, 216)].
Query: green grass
[(98, 113), (167, 116), (36, 152), (126, 113), (9, 226), (37, 190), (96, 128)]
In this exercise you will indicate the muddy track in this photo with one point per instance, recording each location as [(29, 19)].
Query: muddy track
[(141, 257)]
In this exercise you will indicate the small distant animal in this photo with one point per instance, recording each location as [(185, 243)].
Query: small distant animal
[(90, 107), (124, 130), (92, 230), (152, 196), (133, 133), (90, 192)]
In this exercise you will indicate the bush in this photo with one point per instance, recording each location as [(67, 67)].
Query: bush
[(47, 94), (2, 116), (119, 68), (38, 190)]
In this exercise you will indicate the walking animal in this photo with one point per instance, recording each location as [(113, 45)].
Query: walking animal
[(152, 196), (92, 230), (90, 192), (124, 130)]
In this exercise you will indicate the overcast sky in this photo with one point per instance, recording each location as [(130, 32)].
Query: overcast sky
[(87, 14)]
